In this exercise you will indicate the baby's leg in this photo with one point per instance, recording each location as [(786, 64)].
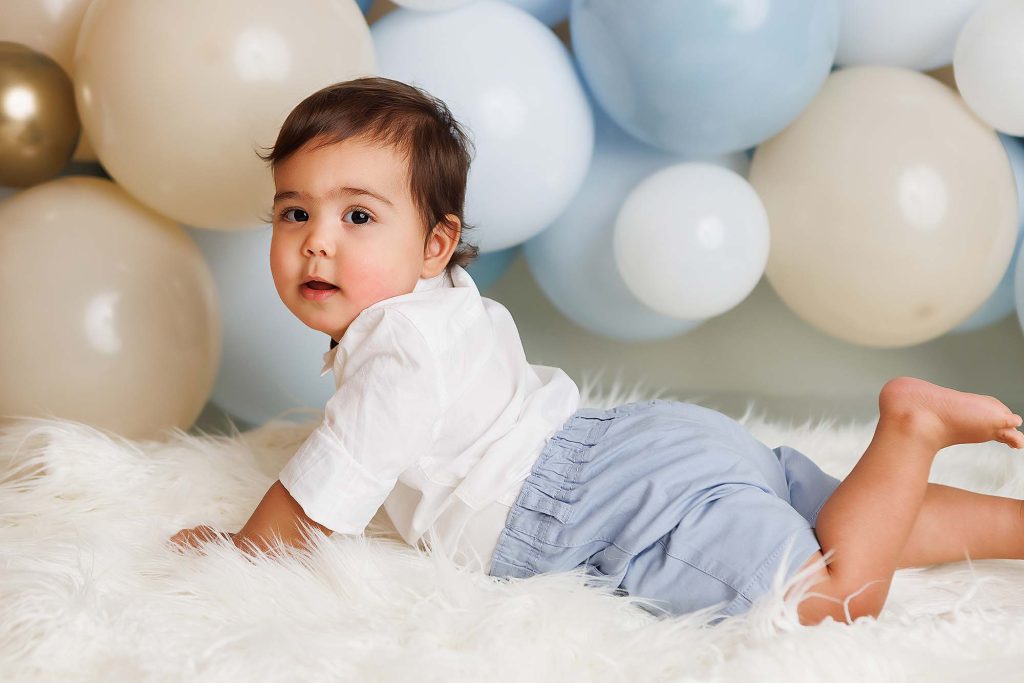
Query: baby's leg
[(955, 524), (868, 519)]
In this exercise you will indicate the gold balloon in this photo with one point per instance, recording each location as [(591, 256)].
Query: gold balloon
[(39, 125)]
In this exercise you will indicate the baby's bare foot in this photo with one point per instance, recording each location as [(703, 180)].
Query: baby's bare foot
[(951, 416)]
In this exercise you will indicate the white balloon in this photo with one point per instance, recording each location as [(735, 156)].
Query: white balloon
[(691, 240), (916, 34), (989, 64), (511, 82)]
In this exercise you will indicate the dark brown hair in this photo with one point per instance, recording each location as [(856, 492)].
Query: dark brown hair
[(418, 125)]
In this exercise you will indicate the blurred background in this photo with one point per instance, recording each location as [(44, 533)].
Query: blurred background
[(736, 202)]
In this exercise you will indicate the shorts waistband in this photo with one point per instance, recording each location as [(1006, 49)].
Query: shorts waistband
[(586, 425)]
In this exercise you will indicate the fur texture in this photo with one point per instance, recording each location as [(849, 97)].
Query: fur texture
[(90, 589)]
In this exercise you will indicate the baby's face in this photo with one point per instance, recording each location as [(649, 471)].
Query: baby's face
[(343, 213)]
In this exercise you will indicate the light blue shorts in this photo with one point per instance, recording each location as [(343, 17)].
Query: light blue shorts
[(669, 501)]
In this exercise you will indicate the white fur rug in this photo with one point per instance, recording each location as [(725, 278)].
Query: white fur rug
[(90, 590)]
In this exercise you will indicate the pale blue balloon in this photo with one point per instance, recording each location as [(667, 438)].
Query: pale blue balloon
[(551, 12), (704, 77), (489, 266), (573, 260), (271, 361), (1002, 301)]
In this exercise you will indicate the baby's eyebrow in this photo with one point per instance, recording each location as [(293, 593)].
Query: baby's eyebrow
[(336, 192)]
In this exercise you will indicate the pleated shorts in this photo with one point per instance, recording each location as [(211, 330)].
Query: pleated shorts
[(670, 501)]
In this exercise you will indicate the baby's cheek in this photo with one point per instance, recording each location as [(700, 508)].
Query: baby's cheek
[(369, 284)]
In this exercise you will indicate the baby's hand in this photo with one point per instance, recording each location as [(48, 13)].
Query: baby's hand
[(191, 538)]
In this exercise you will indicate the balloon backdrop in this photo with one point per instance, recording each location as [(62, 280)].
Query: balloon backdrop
[(1001, 302), (691, 240), (881, 206), (893, 209), (989, 64), (109, 311), (916, 34), (39, 125), (704, 77), (573, 260), (512, 83), (178, 97)]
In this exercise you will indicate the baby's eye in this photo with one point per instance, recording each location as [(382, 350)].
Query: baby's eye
[(362, 216), (300, 216)]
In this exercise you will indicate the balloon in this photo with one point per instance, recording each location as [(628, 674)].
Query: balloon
[(893, 210), (271, 361), (488, 268), (39, 125), (704, 77), (550, 12), (1001, 302), (110, 313), (510, 81), (50, 28), (989, 64), (916, 34), (365, 5), (179, 97), (573, 260), (691, 240), (432, 5)]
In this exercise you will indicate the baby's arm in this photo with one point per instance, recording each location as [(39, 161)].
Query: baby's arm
[(278, 514)]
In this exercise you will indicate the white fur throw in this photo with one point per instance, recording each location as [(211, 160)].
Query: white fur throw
[(91, 591)]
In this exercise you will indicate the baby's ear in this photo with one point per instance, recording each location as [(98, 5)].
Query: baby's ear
[(444, 238)]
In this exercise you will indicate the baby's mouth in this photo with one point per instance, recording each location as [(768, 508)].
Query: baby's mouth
[(316, 284)]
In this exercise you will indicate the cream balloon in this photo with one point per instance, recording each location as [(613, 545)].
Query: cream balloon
[(51, 28), (989, 64), (691, 240), (893, 208), (178, 97), (110, 314)]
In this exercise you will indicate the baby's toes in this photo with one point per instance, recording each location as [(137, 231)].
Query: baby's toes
[(1011, 437)]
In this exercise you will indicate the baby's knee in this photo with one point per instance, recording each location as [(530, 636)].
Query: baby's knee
[(831, 596)]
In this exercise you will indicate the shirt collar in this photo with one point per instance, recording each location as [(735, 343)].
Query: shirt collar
[(459, 277)]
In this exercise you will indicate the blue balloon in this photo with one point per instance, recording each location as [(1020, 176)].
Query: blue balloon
[(551, 12), (365, 5), (704, 77), (1003, 301), (270, 361), (490, 266), (573, 260)]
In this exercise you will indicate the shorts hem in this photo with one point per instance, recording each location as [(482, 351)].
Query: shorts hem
[(745, 598)]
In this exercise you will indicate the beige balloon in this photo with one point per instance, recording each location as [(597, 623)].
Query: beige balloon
[(178, 97), (110, 312), (50, 27), (892, 207)]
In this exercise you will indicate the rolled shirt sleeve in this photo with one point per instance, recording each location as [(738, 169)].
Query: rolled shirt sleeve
[(381, 419)]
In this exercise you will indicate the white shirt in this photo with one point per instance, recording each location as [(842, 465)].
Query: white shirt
[(437, 415)]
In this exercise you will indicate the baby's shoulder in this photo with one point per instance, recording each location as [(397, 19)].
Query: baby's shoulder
[(458, 319)]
